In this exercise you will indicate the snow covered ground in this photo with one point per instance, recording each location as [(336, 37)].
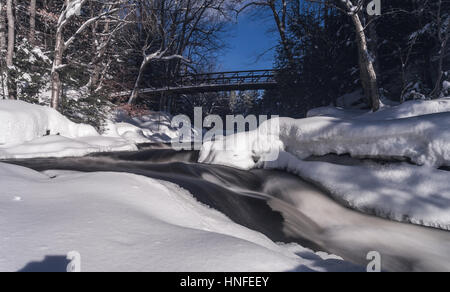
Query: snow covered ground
[(127, 222), (123, 222), (28, 131), (401, 192), (151, 128), (416, 131)]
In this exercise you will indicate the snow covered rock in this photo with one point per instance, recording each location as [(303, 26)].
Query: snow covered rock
[(21, 122)]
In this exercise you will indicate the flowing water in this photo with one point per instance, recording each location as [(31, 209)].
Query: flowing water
[(279, 205)]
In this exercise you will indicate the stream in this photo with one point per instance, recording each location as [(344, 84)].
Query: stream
[(283, 207)]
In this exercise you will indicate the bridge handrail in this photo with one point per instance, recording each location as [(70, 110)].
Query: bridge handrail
[(227, 77), (229, 72)]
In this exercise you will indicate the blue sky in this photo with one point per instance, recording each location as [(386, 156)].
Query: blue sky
[(246, 40)]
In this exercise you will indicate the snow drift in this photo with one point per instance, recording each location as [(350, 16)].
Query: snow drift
[(122, 222), (21, 122), (151, 128), (406, 110), (400, 192), (408, 131), (414, 131), (28, 131)]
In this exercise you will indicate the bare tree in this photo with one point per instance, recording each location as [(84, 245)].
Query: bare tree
[(279, 9), (170, 27), (443, 32), (10, 50), (366, 64), (69, 11), (104, 34), (3, 70), (11, 33), (32, 12)]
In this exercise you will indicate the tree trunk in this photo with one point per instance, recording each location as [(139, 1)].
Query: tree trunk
[(11, 40), (56, 80), (373, 44), (11, 34), (281, 26), (3, 70), (442, 35), (440, 73), (2, 27), (368, 74), (32, 11), (135, 92), (98, 57)]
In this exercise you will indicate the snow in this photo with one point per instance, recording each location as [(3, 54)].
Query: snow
[(336, 112), (124, 222), (60, 146), (28, 131), (21, 122), (155, 127), (406, 110), (73, 8), (415, 131), (403, 192), (352, 100), (388, 134), (446, 86)]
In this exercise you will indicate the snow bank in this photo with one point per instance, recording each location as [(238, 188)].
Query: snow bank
[(417, 131), (405, 110), (122, 222), (392, 133), (28, 131), (21, 122), (404, 193), (152, 128), (59, 146)]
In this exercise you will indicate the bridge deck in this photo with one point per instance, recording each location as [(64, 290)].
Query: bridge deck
[(215, 82)]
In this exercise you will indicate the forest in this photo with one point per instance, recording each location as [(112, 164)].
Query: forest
[(74, 55)]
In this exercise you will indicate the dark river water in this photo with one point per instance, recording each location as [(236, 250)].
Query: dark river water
[(282, 206)]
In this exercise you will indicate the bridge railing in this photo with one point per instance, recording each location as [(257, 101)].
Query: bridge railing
[(227, 78), (218, 81)]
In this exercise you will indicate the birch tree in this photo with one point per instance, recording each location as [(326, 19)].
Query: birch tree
[(366, 64), (103, 37), (443, 32), (3, 70), (10, 50), (70, 9), (32, 13), (11, 33)]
